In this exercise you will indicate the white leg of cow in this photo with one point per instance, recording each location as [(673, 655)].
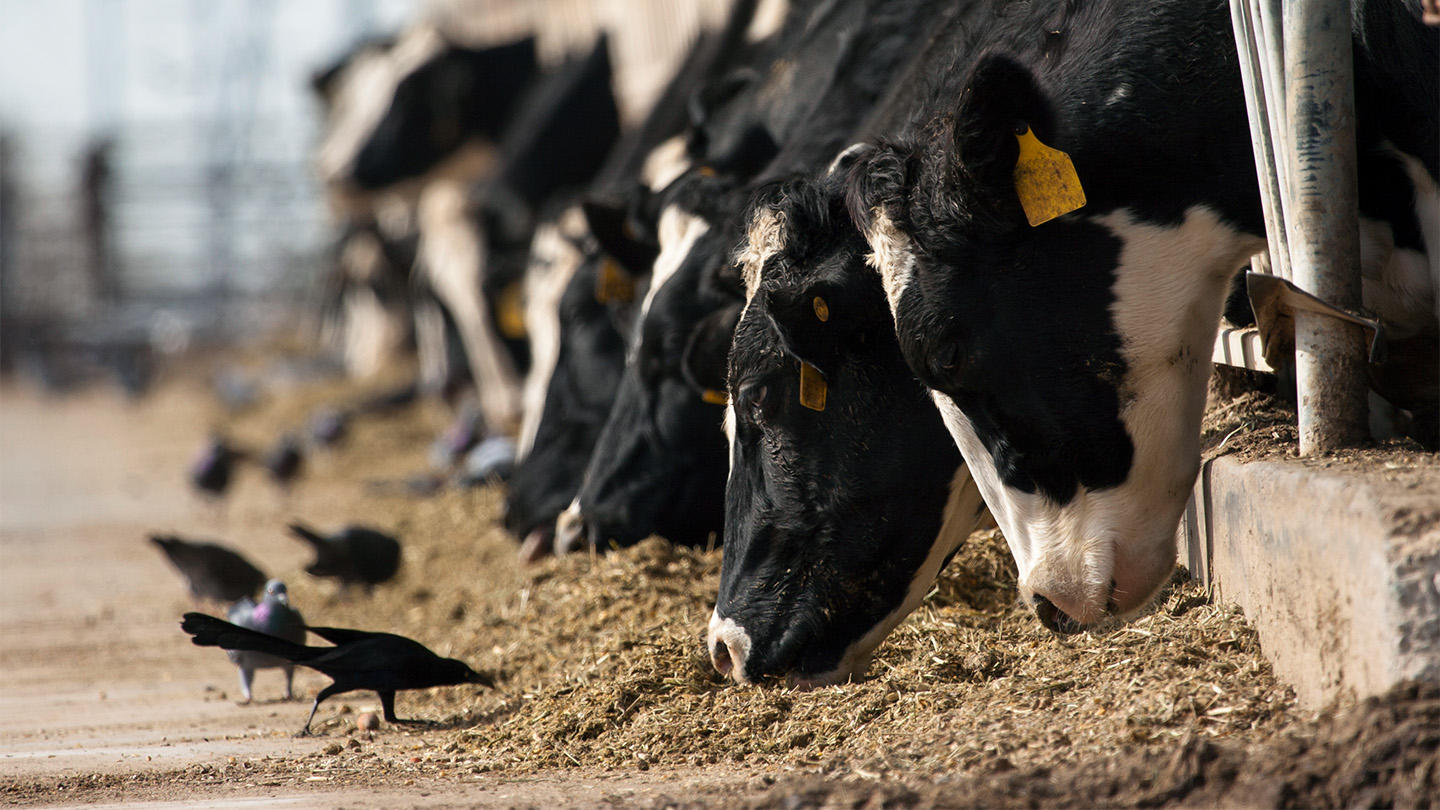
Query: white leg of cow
[(452, 261)]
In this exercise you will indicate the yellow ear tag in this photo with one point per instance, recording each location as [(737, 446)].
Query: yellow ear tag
[(1045, 181), (707, 171), (812, 387), (613, 284), (822, 310), (510, 311), (715, 397)]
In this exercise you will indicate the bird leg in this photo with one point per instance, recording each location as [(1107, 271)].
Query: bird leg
[(324, 693), (246, 675), (387, 702), (289, 682)]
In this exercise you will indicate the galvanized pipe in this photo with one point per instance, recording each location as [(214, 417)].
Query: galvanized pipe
[(1322, 215), (1243, 16)]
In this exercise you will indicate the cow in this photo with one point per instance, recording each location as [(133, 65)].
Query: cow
[(475, 238), (417, 108), (366, 307), (862, 489), (845, 495), (1069, 359), (835, 64)]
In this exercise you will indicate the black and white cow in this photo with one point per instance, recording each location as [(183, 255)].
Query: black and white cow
[(580, 300), (837, 60), (1070, 359), (845, 495), (475, 239), (403, 110)]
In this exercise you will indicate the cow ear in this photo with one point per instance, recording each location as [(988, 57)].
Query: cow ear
[(707, 352), (878, 182), (610, 224), (709, 97), (1001, 101)]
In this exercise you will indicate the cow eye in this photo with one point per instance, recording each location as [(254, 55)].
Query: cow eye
[(754, 398)]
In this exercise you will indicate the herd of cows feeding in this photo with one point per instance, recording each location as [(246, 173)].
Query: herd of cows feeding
[(813, 309)]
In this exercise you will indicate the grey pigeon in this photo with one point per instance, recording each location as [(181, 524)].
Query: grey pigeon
[(381, 662), (212, 571), (273, 616), (354, 555), (214, 467)]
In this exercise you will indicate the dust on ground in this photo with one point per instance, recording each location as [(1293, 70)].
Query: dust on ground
[(605, 696)]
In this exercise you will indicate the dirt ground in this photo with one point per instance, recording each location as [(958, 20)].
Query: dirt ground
[(604, 696)]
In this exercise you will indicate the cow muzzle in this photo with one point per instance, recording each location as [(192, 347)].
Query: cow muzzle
[(729, 647)]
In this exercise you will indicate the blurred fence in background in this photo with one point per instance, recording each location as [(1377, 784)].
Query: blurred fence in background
[(204, 222)]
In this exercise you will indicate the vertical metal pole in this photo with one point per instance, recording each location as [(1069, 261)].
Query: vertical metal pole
[(1244, 15), (1323, 219)]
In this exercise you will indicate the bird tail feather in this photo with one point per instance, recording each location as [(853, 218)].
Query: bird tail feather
[(304, 532), (208, 631)]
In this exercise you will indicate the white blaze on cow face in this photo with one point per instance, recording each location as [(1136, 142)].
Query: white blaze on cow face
[(769, 16), (372, 331), (891, 254), (1112, 548), (665, 164), (554, 258), (679, 230), (362, 97), (569, 529), (965, 513), (766, 236)]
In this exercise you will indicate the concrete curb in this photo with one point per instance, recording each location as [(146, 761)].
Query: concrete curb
[(1336, 565)]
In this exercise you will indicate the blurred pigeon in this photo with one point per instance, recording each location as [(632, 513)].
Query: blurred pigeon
[(381, 662), (491, 460), (235, 389), (328, 427), (275, 617), (284, 460), (214, 467), (212, 571), (355, 555), (464, 433)]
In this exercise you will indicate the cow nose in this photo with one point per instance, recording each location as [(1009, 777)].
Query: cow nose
[(569, 530), (1054, 619), (720, 658), (729, 645)]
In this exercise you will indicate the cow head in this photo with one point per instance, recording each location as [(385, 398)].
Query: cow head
[(1069, 359), (397, 115), (836, 507), (659, 465), (579, 376)]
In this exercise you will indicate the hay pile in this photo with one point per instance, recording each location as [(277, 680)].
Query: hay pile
[(602, 667)]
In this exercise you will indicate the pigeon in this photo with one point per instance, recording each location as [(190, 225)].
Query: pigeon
[(489, 461), (214, 467), (328, 427), (355, 555), (284, 460), (381, 662), (273, 616), (212, 571)]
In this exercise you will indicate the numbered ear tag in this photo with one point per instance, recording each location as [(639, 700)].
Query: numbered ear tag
[(715, 397), (812, 387), (510, 311), (613, 284), (1045, 180), (822, 310)]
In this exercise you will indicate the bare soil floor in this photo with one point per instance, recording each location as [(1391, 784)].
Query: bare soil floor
[(604, 696)]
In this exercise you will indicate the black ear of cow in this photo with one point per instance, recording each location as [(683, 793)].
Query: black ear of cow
[(609, 224), (1000, 101), (752, 152), (707, 352), (711, 96), (879, 178)]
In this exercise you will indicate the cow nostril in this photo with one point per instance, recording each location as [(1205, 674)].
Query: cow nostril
[(720, 657), (1054, 619)]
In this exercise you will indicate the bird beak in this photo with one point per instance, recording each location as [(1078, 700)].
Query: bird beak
[(480, 678)]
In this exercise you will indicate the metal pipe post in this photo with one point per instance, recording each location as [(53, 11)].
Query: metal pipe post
[(1323, 220)]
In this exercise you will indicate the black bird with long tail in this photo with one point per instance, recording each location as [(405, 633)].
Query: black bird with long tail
[(381, 662)]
